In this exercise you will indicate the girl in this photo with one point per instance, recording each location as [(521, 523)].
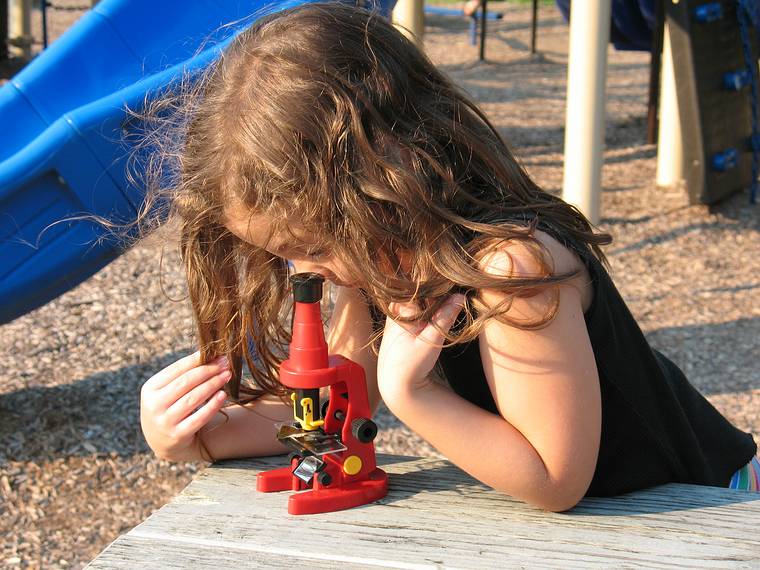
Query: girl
[(323, 137)]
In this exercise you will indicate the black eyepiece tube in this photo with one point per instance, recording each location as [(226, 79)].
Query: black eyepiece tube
[(307, 287)]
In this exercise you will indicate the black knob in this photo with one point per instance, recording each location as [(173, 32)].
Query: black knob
[(307, 287), (324, 478), (364, 429)]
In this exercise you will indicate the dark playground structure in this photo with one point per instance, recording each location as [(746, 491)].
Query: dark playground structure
[(715, 53)]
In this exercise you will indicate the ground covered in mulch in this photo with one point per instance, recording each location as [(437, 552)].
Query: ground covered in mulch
[(75, 471)]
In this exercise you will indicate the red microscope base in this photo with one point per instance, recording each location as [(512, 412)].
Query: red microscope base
[(324, 499)]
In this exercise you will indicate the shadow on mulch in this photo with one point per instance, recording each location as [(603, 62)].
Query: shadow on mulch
[(694, 348), (98, 414)]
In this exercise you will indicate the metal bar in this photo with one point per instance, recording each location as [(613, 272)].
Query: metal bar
[(409, 17), (670, 156), (483, 12), (44, 6), (20, 28), (584, 123), (3, 30), (655, 63)]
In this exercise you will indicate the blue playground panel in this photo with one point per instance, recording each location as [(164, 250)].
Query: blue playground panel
[(64, 152)]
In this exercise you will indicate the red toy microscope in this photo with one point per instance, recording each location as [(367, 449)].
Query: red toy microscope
[(333, 453)]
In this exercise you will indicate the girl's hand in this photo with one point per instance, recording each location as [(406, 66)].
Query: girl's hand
[(177, 402), (409, 350)]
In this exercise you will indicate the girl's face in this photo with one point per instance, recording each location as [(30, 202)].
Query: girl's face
[(256, 229)]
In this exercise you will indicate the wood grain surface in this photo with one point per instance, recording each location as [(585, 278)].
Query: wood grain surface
[(435, 516)]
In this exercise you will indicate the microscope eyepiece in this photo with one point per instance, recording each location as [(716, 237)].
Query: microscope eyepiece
[(307, 287)]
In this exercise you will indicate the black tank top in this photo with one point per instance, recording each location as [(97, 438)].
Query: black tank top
[(656, 427)]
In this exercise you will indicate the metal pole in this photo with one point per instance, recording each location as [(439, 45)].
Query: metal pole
[(20, 28), (655, 63), (483, 12), (3, 30), (43, 6), (409, 17), (670, 159), (533, 26), (584, 121)]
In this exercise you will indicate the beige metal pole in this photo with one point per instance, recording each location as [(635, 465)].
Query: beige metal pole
[(20, 28), (409, 17), (584, 121), (670, 161)]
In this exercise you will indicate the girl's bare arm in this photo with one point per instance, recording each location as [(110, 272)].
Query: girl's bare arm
[(249, 431), (349, 335), (542, 446)]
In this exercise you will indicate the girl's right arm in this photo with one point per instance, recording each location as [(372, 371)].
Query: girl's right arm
[(180, 407), (181, 418)]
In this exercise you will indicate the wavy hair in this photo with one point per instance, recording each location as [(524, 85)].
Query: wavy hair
[(327, 113)]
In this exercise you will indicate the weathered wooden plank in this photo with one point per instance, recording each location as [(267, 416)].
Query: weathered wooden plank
[(131, 552), (436, 515)]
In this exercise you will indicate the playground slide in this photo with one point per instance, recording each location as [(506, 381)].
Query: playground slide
[(62, 152)]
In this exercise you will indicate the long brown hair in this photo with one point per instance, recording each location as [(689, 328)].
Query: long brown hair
[(328, 113)]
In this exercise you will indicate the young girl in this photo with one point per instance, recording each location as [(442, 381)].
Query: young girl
[(324, 138)]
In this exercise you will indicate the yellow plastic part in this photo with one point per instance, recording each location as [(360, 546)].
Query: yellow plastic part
[(352, 465), (308, 422)]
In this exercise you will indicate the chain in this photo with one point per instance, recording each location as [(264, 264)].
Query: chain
[(744, 16)]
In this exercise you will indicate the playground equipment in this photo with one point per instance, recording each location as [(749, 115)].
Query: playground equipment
[(19, 28), (474, 19), (64, 146), (584, 123), (712, 139), (713, 90)]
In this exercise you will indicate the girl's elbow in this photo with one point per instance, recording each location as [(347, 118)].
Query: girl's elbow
[(563, 504), (556, 500), (556, 504)]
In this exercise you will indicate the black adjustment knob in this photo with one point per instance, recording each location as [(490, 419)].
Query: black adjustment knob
[(307, 287), (364, 429)]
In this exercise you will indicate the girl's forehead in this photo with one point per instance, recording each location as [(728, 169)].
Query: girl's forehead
[(262, 230)]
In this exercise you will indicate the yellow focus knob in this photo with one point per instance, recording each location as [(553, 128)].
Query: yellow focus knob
[(352, 465)]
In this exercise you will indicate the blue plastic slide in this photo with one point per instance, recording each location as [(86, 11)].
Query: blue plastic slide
[(62, 150)]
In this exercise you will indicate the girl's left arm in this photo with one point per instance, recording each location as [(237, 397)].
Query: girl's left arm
[(542, 447)]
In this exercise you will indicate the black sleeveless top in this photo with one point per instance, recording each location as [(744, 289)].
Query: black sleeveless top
[(656, 427)]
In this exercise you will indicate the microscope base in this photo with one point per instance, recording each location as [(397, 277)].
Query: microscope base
[(324, 499)]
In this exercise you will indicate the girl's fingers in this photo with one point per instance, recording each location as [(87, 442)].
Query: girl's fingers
[(184, 383), (196, 421), (175, 369), (444, 319), (191, 400)]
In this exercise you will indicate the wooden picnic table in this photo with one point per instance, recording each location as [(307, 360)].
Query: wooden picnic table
[(434, 516)]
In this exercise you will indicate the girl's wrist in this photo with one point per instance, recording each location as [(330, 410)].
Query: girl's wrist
[(395, 389), (203, 451)]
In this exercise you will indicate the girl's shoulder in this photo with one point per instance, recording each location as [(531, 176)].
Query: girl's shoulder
[(518, 258)]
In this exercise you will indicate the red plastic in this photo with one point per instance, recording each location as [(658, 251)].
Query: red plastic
[(309, 366)]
